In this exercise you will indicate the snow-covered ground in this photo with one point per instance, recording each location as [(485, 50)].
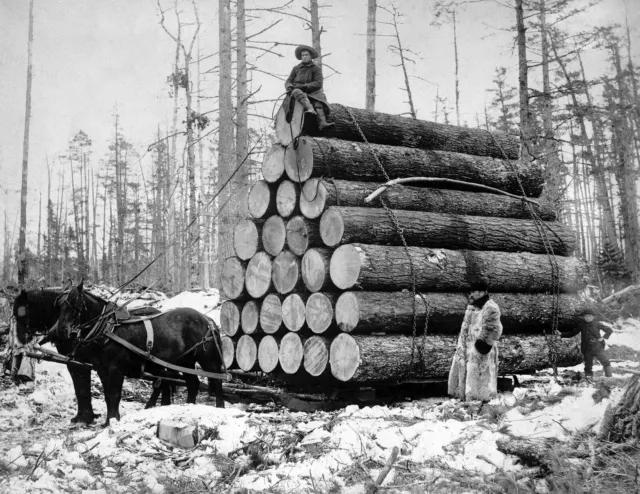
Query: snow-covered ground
[(288, 451)]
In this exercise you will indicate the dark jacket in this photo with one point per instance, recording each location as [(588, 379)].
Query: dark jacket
[(590, 333), (308, 78)]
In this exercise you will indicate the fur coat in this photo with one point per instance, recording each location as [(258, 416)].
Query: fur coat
[(474, 370)]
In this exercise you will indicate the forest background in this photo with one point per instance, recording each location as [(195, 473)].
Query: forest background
[(140, 111)]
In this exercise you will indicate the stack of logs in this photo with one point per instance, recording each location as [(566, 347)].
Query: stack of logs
[(322, 285)]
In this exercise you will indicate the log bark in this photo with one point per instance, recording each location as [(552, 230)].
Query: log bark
[(532, 452), (287, 198), (319, 194), (315, 270), (287, 275), (383, 128), (268, 354), (353, 161), (319, 312), (302, 234), (293, 312), (274, 235), (230, 317), (622, 419), (250, 316), (370, 312), (262, 200), (247, 238), (228, 351), (258, 275), (316, 355), (271, 313), (344, 225), (366, 359), (290, 353), (378, 267), (247, 353), (232, 278), (273, 164)]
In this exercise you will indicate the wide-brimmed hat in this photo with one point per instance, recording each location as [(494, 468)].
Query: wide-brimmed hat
[(588, 310), (312, 51)]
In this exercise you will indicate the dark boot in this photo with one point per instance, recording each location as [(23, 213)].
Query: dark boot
[(322, 119), (306, 104), (607, 371)]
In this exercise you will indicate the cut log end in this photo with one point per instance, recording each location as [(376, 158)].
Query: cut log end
[(228, 351), (315, 269), (286, 272), (274, 235), (273, 164), (258, 276), (287, 131), (300, 235), (268, 354), (319, 312), (232, 277), (345, 266), (347, 312), (250, 316), (287, 198), (290, 353), (246, 239), (261, 200), (298, 162), (229, 318), (331, 227), (271, 313), (344, 357), (316, 355), (313, 198), (247, 353), (293, 312)]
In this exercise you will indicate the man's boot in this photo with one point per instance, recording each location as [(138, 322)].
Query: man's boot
[(306, 104), (322, 119), (607, 371)]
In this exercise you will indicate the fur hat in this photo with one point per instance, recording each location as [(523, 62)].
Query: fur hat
[(312, 51), (480, 286)]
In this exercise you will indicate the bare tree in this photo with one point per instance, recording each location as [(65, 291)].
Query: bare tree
[(523, 75), (370, 103)]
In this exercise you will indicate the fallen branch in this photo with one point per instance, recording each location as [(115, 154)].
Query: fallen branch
[(372, 487)]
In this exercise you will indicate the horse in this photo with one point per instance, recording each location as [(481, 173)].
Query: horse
[(35, 312), (180, 337)]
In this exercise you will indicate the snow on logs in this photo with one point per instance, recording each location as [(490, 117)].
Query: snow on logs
[(366, 358), (380, 267), (343, 225)]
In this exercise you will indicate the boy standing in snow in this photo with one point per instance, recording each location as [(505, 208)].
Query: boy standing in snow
[(474, 370), (592, 344)]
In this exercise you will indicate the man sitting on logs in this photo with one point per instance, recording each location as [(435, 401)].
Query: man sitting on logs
[(592, 344), (305, 83), (474, 370)]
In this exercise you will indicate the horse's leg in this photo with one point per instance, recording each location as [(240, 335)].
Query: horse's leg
[(82, 385), (193, 385), (216, 384), (116, 380), (153, 399), (211, 361), (103, 374), (166, 393)]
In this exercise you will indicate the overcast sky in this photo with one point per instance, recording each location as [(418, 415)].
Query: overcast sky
[(93, 56)]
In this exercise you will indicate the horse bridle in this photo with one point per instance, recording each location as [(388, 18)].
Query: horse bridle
[(63, 298)]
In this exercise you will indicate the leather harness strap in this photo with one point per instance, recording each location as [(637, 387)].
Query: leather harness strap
[(149, 327)]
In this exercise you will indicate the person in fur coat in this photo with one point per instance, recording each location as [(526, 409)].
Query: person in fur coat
[(474, 370)]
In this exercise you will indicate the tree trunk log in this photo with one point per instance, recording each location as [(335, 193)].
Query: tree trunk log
[(271, 313), (319, 312), (622, 419), (293, 312), (247, 238), (286, 273), (287, 198), (228, 351), (247, 353), (383, 128), (230, 317), (268, 354), (273, 164), (250, 317), (319, 194), (315, 270), (298, 162), (368, 312), (232, 277), (351, 161), (378, 267), (302, 234), (344, 225), (262, 200), (290, 353), (366, 359), (258, 275), (532, 452), (316, 355), (274, 235), (285, 131)]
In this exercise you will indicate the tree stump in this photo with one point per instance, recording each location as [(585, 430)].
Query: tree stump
[(621, 421)]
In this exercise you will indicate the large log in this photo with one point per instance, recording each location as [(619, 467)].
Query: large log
[(247, 238), (262, 200), (286, 272), (293, 311), (354, 161), (316, 355), (228, 351), (315, 270), (247, 353), (230, 317), (302, 234), (271, 313), (319, 312), (394, 130), (258, 275), (380, 267), (274, 235), (319, 194), (268, 354), (370, 312), (366, 359), (287, 198), (291, 353), (344, 225), (273, 164), (232, 277), (250, 316)]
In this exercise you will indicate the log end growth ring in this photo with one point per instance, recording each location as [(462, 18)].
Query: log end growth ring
[(293, 312), (331, 227), (246, 353), (228, 352), (316, 355), (258, 277), (286, 272), (274, 235), (232, 277), (229, 318), (259, 199), (297, 235), (314, 270), (273, 164), (347, 312), (345, 265), (290, 353), (298, 162), (344, 357), (271, 314), (246, 239), (249, 317), (319, 312), (286, 198), (268, 354), (313, 198)]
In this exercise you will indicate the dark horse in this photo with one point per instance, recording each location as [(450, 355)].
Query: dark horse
[(35, 312), (182, 337)]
